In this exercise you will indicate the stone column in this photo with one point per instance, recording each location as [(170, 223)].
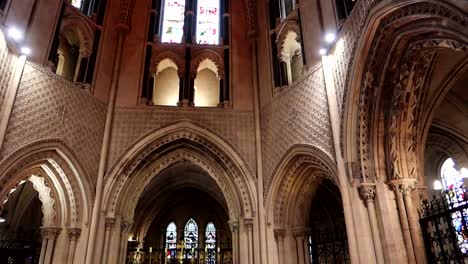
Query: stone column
[(43, 249), (248, 222), (125, 229), (6, 106), (110, 222), (299, 237), (367, 194), (415, 229), (400, 190), (279, 235), (50, 234), (122, 30), (234, 226), (73, 234)]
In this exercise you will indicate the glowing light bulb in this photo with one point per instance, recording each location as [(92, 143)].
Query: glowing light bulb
[(323, 51), (15, 33), (330, 37)]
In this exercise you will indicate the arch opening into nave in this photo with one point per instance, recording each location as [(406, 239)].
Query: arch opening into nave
[(45, 205), (178, 173), (408, 61), (305, 215)]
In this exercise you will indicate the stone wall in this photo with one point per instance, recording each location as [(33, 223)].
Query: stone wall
[(48, 107), (7, 66), (297, 115), (131, 123)]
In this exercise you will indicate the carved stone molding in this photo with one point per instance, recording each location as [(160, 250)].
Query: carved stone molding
[(403, 186), (301, 232), (367, 192), (279, 233), (74, 233), (233, 225), (248, 222), (126, 226), (50, 232), (110, 222), (210, 55)]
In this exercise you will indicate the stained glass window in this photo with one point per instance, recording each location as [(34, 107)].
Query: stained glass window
[(452, 181), (210, 243), (191, 240), (173, 22), (208, 15), (77, 3), (171, 241)]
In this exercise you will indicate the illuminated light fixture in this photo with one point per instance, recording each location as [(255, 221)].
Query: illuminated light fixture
[(330, 37), (25, 51), (15, 34), (2, 220), (464, 173), (437, 185), (12, 190), (323, 51)]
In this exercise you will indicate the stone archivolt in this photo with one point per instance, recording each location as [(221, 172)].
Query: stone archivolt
[(190, 143)]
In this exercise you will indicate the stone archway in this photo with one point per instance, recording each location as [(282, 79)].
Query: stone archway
[(63, 190), (182, 142), (384, 115), (289, 200)]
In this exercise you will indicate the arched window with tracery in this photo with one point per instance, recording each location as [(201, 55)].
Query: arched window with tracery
[(191, 240), (206, 87), (190, 28), (452, 183), (171, 241), (166, 83), (210, 243), (287, 53)]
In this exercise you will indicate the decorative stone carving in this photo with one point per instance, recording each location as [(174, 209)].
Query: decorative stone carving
[(210, 55), (367, 193), (74, 233), (248, 222), (110, 223), (50, 232), (233, 225)]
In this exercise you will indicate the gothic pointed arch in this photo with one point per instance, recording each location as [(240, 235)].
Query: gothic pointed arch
[(210, 55), (58, 177), (294, 182), (387, 86), (74, 25), (181, 142)]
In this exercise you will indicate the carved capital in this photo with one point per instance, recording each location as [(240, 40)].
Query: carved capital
[(50, 232), (74, 233), (403, 186), (248, 222), (125, 226), (110, 223), (279, 232), (367, 192), (301, 232), (233, 225)]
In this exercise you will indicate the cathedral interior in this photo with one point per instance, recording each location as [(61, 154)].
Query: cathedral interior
[(233, 131)]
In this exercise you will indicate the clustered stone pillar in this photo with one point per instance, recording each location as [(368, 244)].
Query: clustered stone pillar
[(302, 245), (73, 234), (279, 235), (49, 234), (248, 222), (109, 225), (124, 230), (234, 226), (409, 219), (367, 194)]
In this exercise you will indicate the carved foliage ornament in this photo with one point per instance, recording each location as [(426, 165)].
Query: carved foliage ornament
[(410, 79)]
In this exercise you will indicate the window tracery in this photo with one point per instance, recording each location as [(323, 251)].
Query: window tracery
[(287, 50), (191, 240), (452, 181), (171, 241), (192, 30), (210, 243), (173, 21)]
